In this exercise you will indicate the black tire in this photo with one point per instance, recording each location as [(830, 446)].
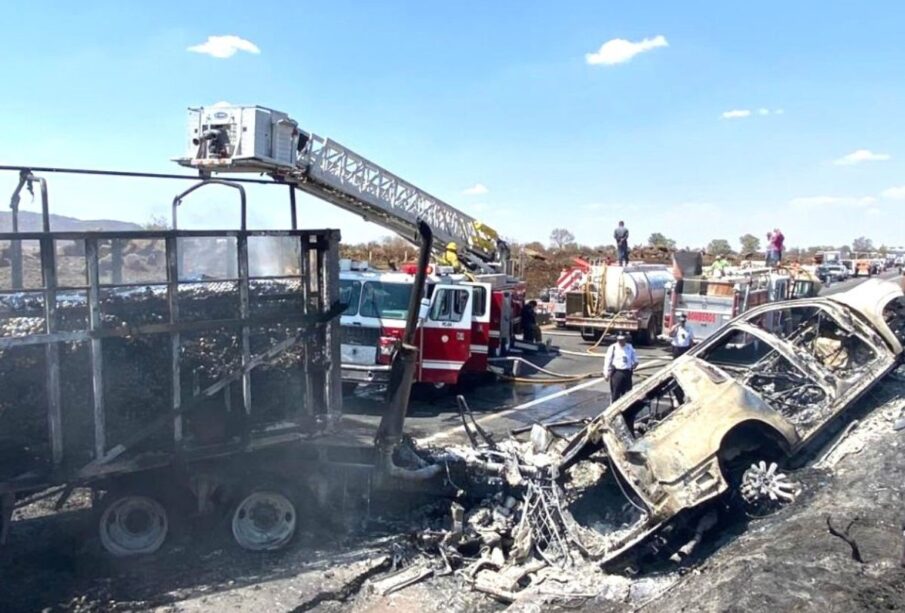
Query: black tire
[(591, 335), (648, 336)]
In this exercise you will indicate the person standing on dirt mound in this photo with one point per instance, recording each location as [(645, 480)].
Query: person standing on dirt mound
[(620, 234)]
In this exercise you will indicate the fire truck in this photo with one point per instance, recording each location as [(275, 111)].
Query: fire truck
[(462, 322), (570, 278), (467, 315), (708, 303)]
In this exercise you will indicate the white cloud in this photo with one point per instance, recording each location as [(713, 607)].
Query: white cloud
[(810, 202), (225, 46), (739, 113), (619, 50), (861, 155), (476, 190), (894, 193)]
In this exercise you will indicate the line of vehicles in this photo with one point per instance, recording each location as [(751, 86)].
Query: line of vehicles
[(834, 266)]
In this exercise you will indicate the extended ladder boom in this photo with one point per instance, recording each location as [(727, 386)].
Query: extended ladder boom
[(256, 139)]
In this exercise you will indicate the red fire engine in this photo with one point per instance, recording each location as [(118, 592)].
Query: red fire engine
[(462, 322)]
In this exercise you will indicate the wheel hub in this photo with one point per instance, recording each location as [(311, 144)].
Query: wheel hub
[(764, 483), (133, 525), (264, 520)]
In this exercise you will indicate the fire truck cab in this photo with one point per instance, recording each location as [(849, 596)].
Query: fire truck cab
[(461, 322)]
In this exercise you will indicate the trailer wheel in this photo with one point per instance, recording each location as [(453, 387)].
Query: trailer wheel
[(591, 335), (648, 336), (265, 520), (132, 524)]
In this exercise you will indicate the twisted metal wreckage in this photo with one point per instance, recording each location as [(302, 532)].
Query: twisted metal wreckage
[(719, 420)]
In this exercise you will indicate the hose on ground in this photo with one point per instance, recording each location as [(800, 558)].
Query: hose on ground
[(554, 377)]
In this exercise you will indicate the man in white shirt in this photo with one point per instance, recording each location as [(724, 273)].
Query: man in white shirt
[(618, 367), (681, 337)]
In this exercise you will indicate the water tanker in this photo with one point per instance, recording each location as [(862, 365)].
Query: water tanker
[(615, 288), (619, 299)]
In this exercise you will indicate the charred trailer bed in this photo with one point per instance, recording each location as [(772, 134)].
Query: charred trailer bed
[(149, 363)]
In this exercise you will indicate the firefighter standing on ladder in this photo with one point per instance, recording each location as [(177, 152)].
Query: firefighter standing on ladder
[(450, 257)]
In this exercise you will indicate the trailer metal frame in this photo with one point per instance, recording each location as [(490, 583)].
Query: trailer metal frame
[(318, 413)]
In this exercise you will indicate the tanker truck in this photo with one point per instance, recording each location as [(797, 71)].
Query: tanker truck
[(614, 299)]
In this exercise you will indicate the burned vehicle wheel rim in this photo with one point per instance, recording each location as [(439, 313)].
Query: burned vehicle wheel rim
[(264, 521), (133, 525), (764, 487)]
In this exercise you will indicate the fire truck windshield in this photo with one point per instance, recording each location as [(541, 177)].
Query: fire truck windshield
[(349, 295), (385, 300)]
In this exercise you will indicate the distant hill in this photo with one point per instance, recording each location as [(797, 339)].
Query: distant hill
[(31, 222)]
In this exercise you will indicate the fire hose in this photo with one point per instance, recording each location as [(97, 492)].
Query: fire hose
[(555, 377)]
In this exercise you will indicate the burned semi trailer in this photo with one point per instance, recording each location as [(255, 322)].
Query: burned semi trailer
[(176, 371)]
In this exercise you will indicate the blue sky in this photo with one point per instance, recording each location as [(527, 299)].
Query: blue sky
[(518, 97)]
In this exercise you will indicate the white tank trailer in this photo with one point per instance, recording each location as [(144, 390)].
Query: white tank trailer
[(633, 287), (620, 299)]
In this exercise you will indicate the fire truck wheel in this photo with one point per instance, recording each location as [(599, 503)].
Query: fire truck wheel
[(265, 519), (132, 523)]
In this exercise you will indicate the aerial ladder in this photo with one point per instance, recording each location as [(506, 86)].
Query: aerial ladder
[(244, 139)]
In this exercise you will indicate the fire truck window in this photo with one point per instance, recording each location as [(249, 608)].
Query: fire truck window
[(449, 305), (385, 300), (349, 294), (480, 301)]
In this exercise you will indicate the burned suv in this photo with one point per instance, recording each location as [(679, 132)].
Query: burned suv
[(762, 388)]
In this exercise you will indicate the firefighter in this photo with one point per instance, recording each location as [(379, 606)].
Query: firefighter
[(719, 266), (530, 331), (621, 361), (680, 335), (450, 257)]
